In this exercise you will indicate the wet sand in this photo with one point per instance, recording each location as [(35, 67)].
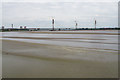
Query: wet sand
[(32, 60)]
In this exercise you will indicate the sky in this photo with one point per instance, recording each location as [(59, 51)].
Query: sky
[(39, 14)]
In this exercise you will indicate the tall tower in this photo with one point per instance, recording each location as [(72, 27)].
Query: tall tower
[(25, 27), (12, 25), (20, 27), (76, 24), (95, 24), (2, 27), (53, 23)]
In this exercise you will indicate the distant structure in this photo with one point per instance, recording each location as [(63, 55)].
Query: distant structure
[(38, 28), (76, 24), (95, 24), (3, 27), (20, 27), (12, 25), (25, 27), (53, 23)]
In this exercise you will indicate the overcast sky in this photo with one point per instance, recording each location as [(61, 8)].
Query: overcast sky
[(39, 14), (60, 0)]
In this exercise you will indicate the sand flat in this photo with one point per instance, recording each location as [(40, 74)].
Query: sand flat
[(48, 55), (30, 60)]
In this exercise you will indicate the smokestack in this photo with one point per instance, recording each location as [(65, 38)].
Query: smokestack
[(76, 24), (53, 22), (95, 24), (20, 27), (2, 27), (24, 27), (12, 25)]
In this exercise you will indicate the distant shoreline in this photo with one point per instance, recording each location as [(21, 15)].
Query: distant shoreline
[(57, 29), (96, 32)]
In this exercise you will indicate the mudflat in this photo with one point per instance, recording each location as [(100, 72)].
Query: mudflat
[(32, 60)]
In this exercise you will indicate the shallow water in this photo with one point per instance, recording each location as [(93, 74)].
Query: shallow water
[(78, 40)]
